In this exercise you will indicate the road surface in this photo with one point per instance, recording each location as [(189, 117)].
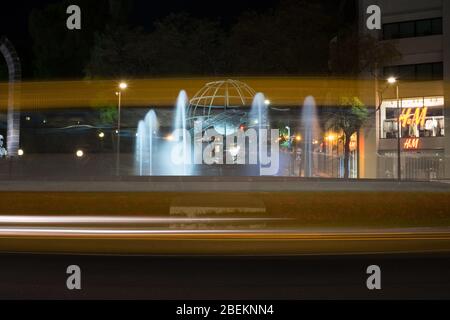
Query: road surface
[(405, 276)]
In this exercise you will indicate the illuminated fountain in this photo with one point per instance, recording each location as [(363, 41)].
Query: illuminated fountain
[(259, 120), (146, 143), (311, 131), (221, 106), (180, 152)]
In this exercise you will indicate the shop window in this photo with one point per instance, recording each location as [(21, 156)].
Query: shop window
[(419, 118)]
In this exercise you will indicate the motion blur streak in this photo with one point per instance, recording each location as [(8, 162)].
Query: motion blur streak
[(144, 240), (223, 234), (118, 220), (282, 91)]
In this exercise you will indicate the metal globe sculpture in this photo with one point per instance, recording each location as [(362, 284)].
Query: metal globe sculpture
[(222, 105)]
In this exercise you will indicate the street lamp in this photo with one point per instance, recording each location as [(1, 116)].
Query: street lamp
[(393, 81), (122, 86)]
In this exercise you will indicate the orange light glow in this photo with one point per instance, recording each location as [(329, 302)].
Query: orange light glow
[(162, 92), (411, 144)]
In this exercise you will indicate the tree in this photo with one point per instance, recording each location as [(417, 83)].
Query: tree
[(119, 52), (108, 115), (352, 53), (58, 52), (292, 39), (349, 118), (184, 45), (179, 45)]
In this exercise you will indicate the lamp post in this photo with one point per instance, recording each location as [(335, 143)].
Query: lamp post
[(122, 86), (394, 81)]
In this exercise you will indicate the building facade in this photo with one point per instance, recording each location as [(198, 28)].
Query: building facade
[(412, 112)]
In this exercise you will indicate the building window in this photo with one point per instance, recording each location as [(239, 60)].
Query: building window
[(419, 118), (407, 29), (410, 29), (436, 26), (416, 72)]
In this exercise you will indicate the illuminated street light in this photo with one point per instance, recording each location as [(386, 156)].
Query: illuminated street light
[(331, 137), (267, 102), (298, 138), (20, 152), (80, 153), (101, 135), (122, 86), (392, 80)]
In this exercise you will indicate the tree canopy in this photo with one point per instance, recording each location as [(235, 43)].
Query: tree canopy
[(352, 53), (290, 39), (58, 52)]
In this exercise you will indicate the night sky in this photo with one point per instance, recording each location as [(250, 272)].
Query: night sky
[(14, 17)]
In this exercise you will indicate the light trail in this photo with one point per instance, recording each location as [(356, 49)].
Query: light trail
[(91, 240), (13, 219), (272, 234), (283, 91)]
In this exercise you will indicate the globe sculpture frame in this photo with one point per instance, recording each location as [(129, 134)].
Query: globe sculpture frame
[(222, 105)]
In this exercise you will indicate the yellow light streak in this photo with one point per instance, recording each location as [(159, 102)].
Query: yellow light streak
[(283, 91)]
